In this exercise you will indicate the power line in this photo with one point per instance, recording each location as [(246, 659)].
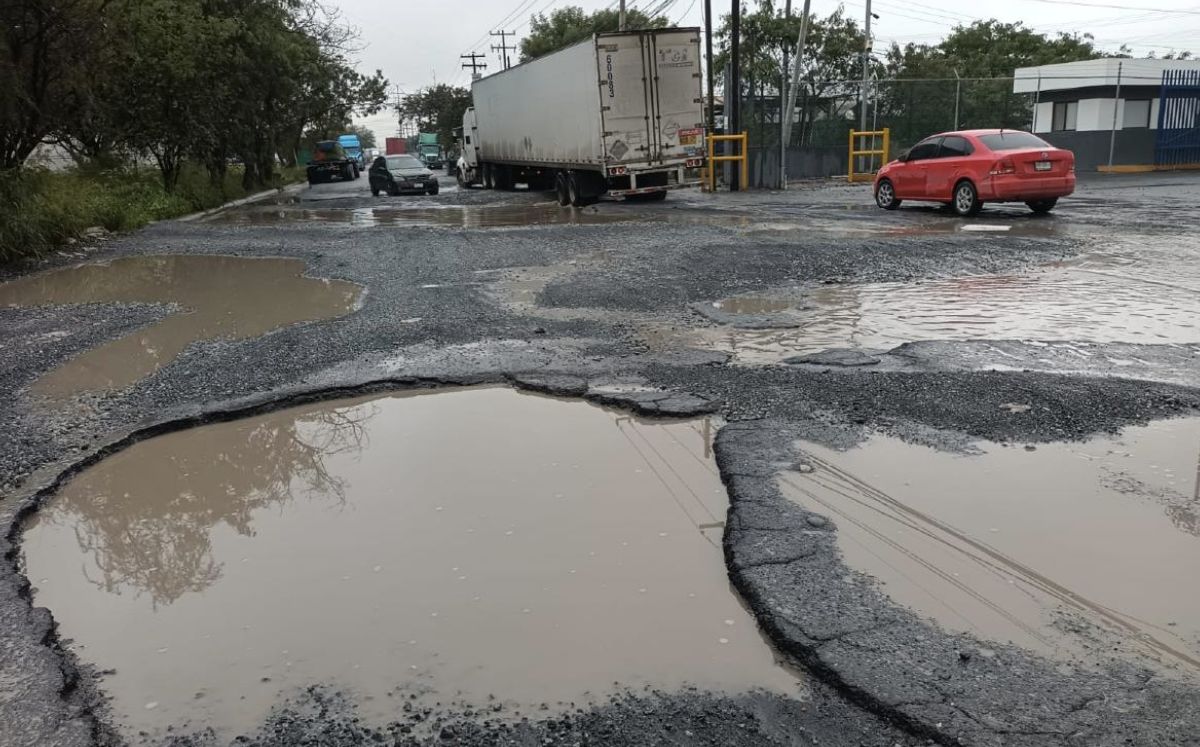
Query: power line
[(520, 6), (1117, 7)]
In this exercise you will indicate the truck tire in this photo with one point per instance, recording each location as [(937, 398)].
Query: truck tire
[(561, 189), (576, 194), (504, 178), (462, 183), (489, 176)]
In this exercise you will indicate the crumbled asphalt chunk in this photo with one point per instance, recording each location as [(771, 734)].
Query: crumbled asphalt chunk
[(845, 357), (746, 321), (632, 719)]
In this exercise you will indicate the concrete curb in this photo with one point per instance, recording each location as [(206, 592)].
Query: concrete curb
[(256, 197)]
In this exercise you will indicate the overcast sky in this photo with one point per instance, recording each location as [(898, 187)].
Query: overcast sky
[(418, 42)]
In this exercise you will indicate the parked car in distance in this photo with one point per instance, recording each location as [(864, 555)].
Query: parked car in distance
[(966, 169), (398, 174)]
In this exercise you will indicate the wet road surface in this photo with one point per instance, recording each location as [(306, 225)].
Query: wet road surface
[(1081, 317)]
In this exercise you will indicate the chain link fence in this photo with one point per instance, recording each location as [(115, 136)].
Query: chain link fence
[(827, 111)]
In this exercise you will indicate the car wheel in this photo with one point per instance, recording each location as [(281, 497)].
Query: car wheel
[(394, 191), (1042, 206), (433, 190), (966, 199), (560, 189), (885, 195)]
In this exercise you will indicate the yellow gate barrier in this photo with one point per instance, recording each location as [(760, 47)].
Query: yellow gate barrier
[(713, 158), (856, 151)]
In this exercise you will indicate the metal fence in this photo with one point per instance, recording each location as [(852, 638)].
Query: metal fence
[(827, 111)]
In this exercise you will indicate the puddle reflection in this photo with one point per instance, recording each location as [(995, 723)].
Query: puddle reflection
[(469, 543)]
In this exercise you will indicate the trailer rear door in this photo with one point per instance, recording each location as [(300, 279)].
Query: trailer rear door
[(650, 96), (677, 106)]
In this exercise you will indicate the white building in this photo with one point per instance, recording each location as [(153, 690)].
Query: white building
[(1079, 104)]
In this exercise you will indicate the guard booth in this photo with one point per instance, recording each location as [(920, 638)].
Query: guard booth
[(1177, 142)]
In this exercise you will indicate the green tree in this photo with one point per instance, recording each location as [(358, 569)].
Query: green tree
[(48, 50), (366, 136), (436, 109), (832, 56), (985, 52), (571, 24)]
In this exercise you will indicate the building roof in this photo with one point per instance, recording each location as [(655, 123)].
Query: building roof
[(1065, 76)]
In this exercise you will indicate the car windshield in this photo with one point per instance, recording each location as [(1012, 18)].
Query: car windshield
[(1013, 141), (403, 162)]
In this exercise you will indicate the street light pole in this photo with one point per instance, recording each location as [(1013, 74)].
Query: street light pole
[(621, 24)]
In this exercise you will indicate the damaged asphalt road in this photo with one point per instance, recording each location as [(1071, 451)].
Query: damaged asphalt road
[(605, 323)]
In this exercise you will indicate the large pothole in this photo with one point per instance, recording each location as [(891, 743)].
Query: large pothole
[(469, 545), (1086, 552)]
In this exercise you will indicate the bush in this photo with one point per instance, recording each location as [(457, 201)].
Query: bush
[(41, 210)]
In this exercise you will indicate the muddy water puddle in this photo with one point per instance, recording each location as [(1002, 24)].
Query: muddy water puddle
[(462, 544), (216, 297), (455, 216), (1119, 293), (1084, 551)]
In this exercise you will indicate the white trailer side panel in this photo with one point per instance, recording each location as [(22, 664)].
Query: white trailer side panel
[(542, 112)]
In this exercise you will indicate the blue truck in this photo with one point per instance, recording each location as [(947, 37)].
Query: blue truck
[(354, 150)]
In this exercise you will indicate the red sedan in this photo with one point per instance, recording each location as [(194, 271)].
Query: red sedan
[(965, 169)]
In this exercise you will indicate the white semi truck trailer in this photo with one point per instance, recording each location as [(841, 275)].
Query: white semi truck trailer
[(620, 114)]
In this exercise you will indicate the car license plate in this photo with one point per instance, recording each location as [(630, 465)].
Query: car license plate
[(1041, 166)]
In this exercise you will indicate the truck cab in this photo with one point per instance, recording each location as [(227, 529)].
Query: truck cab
[(468, 150), (354, 150)]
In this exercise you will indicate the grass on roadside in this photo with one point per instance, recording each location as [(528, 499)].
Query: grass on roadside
[(41, 210)]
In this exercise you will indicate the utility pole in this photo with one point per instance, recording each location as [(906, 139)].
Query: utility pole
[(504, 46), (957, 97), (866, 60), (784, 113), (712, 101), (794, 89), (1112, 135), (733, 97), (474, 64), (621, 23)]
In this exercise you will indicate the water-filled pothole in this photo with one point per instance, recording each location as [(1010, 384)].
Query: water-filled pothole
[(465, 544), (218, 297), (1086, 551), (1125, 291)]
